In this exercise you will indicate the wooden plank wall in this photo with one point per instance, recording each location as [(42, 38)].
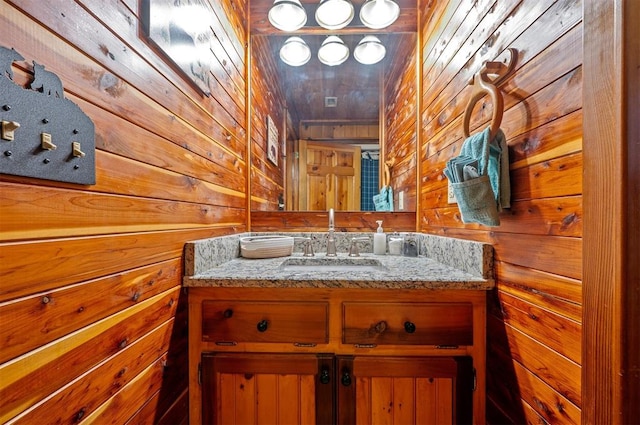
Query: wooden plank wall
[(534, 325), (318, 221), (400, 131), (92, 314), (348, 131), (267, 98)]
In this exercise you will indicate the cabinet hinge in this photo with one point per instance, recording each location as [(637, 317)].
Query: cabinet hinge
[(475, 380), (365, 345), (199, 373)]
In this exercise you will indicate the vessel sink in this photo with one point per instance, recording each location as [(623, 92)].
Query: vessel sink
[(327, 264)]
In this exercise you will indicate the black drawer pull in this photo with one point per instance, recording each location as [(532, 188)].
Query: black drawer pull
[(227, 313), (409, 327), (262, 326)]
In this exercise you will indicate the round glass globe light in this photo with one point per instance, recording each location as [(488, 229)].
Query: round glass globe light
[(295, 52)]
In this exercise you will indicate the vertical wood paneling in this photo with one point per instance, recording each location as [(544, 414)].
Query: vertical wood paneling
[(225, 410), (403, 400), (257, 388), (92, 321), (535, 316), (364, 401), (245, 399), (381, 400), (289, 398), (612, 192), (266, 398), (307, 391)]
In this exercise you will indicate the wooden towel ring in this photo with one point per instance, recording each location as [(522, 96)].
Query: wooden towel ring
[(482, 86), (387, 171)]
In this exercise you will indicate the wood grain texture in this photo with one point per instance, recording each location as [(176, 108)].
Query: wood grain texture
[(522, 384), (267, 100), (385, 324), (537, 305), (28, 381), (611, 350), (403, 390), (91, 274), (345, 221), (253, 389), (556, 370), (399, 125), (303, 322), (67, 309), (408, 364)]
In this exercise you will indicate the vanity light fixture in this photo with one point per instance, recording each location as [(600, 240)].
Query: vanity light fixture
[(295, 52), (334, 14), (378, 14), (333, 51), (369, 51), (287, 15)]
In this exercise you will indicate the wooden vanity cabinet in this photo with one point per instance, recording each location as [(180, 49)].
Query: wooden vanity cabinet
[(346, 356), (248, 388), (403, 390)]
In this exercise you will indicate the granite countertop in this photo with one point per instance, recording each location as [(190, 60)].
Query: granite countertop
[(400, 273), (397, 272)]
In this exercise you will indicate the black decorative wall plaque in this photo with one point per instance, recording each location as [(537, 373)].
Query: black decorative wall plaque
[(43, 135)]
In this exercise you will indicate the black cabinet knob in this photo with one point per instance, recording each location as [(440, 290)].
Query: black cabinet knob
[(325, 376), (227, 313), (409, 327), (262, 326), (346, 378)]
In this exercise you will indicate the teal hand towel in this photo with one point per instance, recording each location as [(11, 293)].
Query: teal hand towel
[(497, 162), (384, 200)]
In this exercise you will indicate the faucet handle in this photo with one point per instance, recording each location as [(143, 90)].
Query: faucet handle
[(307, 247), (353, 248)]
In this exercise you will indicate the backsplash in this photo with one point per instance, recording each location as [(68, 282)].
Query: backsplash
[(475, 258)]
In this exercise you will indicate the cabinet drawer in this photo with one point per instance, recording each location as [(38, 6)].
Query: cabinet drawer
[(256, 321), (407, 323)]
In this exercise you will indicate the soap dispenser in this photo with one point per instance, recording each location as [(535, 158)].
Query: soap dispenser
[(379, 240)]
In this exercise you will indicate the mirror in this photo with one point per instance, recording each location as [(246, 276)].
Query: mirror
[(338, 125)]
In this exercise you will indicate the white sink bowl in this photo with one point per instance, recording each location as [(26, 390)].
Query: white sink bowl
[(266, 246)]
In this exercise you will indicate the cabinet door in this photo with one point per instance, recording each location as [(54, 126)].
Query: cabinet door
[(403, 390), (241, 388)]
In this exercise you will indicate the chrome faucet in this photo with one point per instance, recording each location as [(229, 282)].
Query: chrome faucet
[(331, 242)]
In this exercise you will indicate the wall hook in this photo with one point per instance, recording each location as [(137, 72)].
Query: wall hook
[(485, 82)]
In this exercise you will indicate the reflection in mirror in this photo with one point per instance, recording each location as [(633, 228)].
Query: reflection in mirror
[(337, 125)]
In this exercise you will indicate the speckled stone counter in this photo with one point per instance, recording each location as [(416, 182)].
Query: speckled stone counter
[(444, 263)]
